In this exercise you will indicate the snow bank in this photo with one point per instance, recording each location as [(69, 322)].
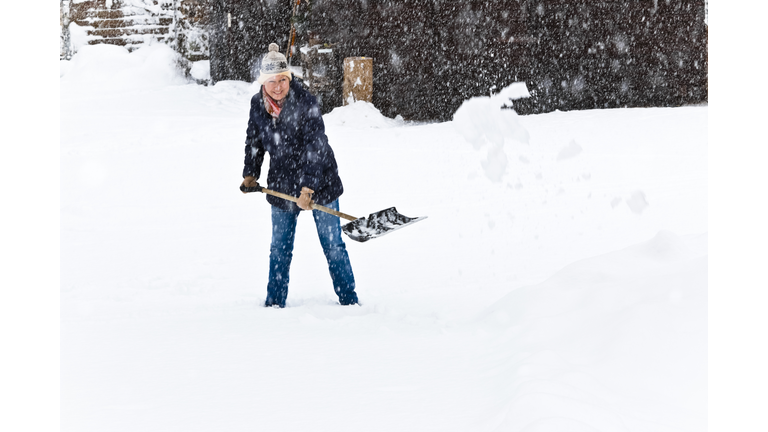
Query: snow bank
[(359, 115), (483, 122), (112, 67), (610, 339)]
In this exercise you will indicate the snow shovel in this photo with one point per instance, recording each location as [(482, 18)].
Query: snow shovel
[(360, 229)]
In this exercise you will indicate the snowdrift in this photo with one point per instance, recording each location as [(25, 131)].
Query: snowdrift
[(614, 342)]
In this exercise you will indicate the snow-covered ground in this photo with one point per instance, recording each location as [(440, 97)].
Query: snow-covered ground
[(558, 284)]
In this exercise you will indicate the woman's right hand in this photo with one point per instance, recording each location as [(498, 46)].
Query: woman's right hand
[(249, 181)]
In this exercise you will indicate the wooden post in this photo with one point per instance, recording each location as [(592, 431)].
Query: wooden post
[(358, 80)]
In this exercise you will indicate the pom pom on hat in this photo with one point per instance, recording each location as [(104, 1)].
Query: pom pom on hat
[(273, 47)]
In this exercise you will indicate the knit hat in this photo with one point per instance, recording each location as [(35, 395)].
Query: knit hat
[(273, 64)]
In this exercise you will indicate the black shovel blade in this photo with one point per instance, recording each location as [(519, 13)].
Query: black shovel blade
[(377, 224)]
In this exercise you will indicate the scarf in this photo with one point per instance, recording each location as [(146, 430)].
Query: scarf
[(273, 107)]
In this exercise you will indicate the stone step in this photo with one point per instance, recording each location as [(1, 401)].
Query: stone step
[(128, 22), (125, 31), (128, 42), (93, 9)]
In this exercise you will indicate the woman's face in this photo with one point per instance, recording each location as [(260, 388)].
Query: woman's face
[(277, 87)]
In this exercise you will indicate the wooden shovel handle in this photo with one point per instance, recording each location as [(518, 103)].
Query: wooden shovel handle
[(294, 199)]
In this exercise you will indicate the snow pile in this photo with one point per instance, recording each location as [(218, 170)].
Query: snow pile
[(484, 122), (609, 339), (79, 36), (110, 67), (359, 115)]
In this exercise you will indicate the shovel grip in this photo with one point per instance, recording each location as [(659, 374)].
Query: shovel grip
[(246, 189), (294, 199)]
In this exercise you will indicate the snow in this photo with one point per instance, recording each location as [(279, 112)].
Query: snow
[(570, 151), (359, 115), (615, 337), (79, 36), (201, 70), (481, 122), (541, 294), (112, 68), (637, 202)]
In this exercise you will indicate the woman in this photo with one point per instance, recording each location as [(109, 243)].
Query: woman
[(285, 120)]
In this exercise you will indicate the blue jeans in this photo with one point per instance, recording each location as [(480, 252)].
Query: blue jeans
[(281, 254)]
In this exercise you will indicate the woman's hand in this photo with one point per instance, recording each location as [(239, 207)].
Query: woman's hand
[(305, 199), (249, 181)]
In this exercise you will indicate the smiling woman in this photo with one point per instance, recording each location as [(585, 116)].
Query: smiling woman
[(285, 122), (274, 77)]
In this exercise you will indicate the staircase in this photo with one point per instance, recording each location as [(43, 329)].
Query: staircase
[(128, 23)]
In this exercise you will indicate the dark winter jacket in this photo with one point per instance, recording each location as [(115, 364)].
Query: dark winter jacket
[(299, 154)]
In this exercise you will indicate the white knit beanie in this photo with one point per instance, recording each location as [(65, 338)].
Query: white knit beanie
[(273, 64)]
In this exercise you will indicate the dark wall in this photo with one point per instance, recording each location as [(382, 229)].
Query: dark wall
[(430, 55), (236, 50), (616, 53)]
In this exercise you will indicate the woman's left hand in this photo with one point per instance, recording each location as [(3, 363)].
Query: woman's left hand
[(305, 199)]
